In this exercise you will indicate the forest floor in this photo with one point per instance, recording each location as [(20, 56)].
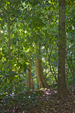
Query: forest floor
[(46, 101)]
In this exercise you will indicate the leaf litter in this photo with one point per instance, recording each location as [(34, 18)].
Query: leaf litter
[(42, 101)]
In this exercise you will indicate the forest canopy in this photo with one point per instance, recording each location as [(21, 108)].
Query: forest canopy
[(37, 50)]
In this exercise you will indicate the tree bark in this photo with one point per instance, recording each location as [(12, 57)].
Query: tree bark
[(29, 77), (62, 89), (9, 49), (9, 46), (40, 79)]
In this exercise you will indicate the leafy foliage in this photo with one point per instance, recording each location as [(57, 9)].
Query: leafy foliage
[(32, 22)]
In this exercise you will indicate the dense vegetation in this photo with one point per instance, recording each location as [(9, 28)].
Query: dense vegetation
[(37, 56)]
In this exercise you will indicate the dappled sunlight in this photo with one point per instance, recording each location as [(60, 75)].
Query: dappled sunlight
[(37, 56)]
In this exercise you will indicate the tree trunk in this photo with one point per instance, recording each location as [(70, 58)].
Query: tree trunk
[(62, 89), (40, 79), (9, 40), (9, 46), (9, 50), (29, 77)]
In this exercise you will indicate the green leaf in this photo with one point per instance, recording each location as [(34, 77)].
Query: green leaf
[(73, 101)]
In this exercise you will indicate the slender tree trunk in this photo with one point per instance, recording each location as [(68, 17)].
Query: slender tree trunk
[(9, 49), (40, 79), (9, 46), (9, 39), (62, 89), (29, 77), (19, 69)]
